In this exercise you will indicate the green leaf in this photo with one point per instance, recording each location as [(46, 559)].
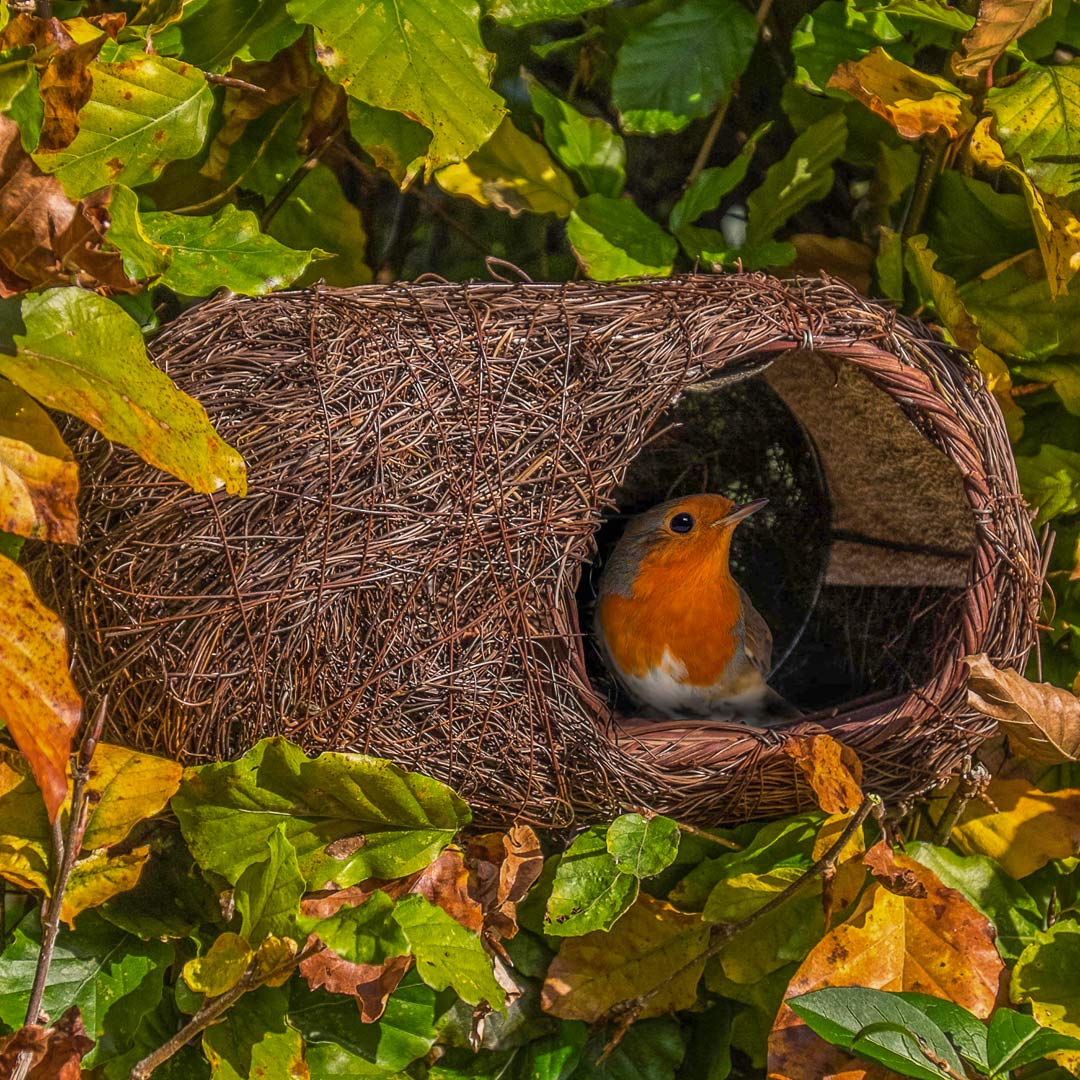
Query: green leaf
[(643, 847), (650, 1050), (1045, 978), (340, 1045), (680, 65), (711, 185), (802, 176), (143, 257), (613, 239), (1037, 122), (879, 1026), (1051, 482), (268, 893), (145, 111), (215, 32), (446, 953), (1017, 1039), (396, 143), (589, 892), (584, 144), (512, 172), (113, 978), (834, 32), (81, 354), (739, 896), (387, 823), (965, 1030), (423, 58), (226, 250), (523, 12), (19, 95), (255, 1039), (1002, 899), (364, 934)]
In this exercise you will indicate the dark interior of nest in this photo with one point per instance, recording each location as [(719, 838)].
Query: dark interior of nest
[(858, 562)]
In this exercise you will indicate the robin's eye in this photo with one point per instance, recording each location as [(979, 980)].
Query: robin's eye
[(681, 523)]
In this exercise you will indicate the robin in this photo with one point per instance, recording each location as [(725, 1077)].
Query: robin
[(676, 630)]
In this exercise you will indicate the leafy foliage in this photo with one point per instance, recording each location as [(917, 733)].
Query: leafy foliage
[(334, 916)]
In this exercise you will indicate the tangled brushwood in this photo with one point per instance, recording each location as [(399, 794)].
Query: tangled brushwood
[(428, 465)]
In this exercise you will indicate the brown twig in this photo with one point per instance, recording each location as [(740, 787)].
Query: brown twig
[(627, 1012), (65, 852), (232, 81), (930, 166), (973, 780), (703, 834), (210, 1010)]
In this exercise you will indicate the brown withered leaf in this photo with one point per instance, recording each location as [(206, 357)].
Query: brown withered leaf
[(504, 867), (832, 769), (445, 883), (937, 944), (644, 950), (38, 700), (62, 51), (914, 103), (39, 479), (369, 984), (1040, 720), (998, 24), (841, 885), (48, 239), (56, 1051), (838, 256), (901, 880)]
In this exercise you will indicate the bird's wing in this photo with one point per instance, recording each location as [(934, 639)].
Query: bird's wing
[(758, 644)]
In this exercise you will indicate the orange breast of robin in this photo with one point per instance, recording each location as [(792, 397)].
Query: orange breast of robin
[(683, 603)]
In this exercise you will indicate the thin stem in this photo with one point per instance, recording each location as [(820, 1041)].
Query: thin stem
[(212, 1009), (930, 165), (722, 935), (972, 781), (65, 852), (294, 181), (702, 834), (231, 80)]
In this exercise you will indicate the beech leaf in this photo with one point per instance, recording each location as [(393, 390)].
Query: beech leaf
[(832, 769), (38, 700), (83, 354), (997, 25)]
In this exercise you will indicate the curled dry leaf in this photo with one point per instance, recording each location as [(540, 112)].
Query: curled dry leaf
[(38, 700), (832, 769), (901, 880), (39, 479), (915, 103), (1040, 720), (937, 944), (62, 51), (998, 24), (56, 1052), (48, 239), (369, 984)]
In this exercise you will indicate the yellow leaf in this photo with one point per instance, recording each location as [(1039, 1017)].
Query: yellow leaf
[(641, 952), (844, 885), (914, 103), (274, 960), (512, 172), (38, 700), (221, 967), (832, 769), (126, 788), (1041, 720), (1045, 978), (100, 877), (1057, 229), (1018, 825), (38, 475), (934, 944), (24, 826), (998, 24)]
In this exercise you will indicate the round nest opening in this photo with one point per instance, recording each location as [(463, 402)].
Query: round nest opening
[(433, 471)]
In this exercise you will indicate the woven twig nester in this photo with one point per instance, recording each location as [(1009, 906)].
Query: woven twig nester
[(428, 465)]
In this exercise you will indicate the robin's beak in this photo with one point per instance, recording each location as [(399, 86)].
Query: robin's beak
[(740, 513)]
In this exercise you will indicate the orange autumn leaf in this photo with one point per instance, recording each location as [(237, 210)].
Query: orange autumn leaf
[(38, 700), (648, 948), (935, 944), (914, 103), (1017, 825), (998, 24), (842, 884), (832, 770)]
